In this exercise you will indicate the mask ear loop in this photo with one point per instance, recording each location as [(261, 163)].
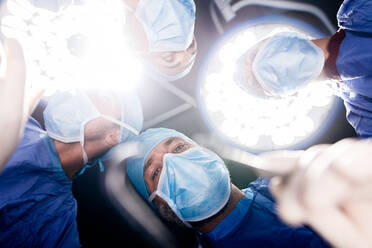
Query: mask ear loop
[(122, 124), (85, 156), (152, 196), (82, 138)]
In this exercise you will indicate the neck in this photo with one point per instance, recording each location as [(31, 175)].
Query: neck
[(323, 44), (208, 225), (71, 157)]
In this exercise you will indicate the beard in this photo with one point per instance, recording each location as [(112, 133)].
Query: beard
[(167, 214)]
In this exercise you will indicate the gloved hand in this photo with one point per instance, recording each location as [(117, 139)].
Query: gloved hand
[(15, 109), (329, 188)]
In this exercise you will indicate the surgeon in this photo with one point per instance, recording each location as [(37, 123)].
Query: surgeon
[(16, 103), (281, 65), (37, 207), (162, 34), (190, 185)]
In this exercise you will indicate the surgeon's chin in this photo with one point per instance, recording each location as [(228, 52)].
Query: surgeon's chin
[(167, 213), (322, 77), (259, 90), (254, 86)]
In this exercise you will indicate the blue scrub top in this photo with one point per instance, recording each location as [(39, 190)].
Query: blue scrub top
[(354, 64), (254, 223), (37, 208)]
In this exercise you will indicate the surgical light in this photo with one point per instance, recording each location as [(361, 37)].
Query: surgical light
[(80, 46), (253, 123)]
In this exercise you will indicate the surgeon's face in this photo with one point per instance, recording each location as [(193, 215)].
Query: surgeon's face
[(172, 63), (247, 72), (154, 161)]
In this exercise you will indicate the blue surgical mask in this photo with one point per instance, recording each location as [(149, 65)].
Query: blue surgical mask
[(68, 112), (286, 63), (195, 184), (168, 24)]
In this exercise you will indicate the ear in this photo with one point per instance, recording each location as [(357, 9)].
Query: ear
[(112, 137)]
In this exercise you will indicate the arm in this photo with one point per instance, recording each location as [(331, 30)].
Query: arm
[(16, 105), (330, 190), (12, 90)]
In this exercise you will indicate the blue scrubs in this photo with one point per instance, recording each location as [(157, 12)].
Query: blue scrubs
[(354, 63), (254, 223), (37, 208)]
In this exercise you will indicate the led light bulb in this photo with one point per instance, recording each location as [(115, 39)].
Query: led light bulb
[(78, 46)]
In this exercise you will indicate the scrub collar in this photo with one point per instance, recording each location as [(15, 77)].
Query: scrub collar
[(230, 222)]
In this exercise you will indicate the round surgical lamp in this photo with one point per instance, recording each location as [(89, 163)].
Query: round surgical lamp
[(75, 46), (252, 123)]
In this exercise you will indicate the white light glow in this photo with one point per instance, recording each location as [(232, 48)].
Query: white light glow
[(82, 46), (261, 124)]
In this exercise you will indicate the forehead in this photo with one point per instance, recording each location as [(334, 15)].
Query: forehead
[(248, 74)]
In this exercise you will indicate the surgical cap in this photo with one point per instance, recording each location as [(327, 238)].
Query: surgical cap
[(148, 141), (131, 113)]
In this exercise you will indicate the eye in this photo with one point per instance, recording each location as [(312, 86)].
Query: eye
[(179, 148), (156, 172), (169, 57)]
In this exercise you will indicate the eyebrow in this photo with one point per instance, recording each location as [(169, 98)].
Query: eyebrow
[(192, 45), (147, 165), (169, 141)]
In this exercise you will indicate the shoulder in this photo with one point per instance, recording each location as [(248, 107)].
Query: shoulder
[(34, 219), (355, 15), (261, 186), (33, 124)]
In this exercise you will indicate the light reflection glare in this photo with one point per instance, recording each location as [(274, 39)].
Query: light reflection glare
[(82, 46), (255, 123)]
